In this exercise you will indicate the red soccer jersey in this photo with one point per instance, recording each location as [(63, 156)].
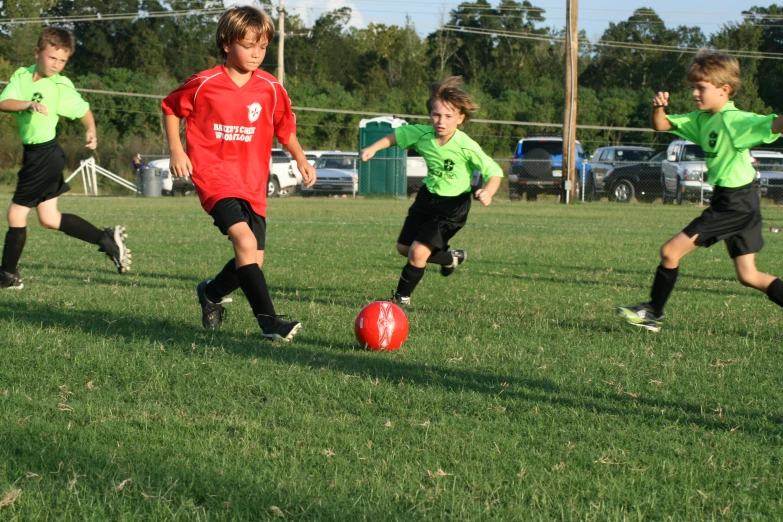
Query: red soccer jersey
[(229, 133)]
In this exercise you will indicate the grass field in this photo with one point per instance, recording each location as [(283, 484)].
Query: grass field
[(518, 395)]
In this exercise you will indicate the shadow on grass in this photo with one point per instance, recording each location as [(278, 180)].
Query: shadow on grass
[(346, 358)]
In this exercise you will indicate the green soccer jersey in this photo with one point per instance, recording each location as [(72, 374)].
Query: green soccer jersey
[(56, 93), (450, 166), (725, 138)]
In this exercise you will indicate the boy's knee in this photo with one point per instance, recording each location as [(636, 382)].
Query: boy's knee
[(245, 242), (669, 255)]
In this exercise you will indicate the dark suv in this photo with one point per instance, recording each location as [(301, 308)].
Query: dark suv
[(537, 167)]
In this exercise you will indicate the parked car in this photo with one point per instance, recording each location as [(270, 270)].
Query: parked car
[(641, 180), (770, 167), (684, 173), (415, 171), (172, 185), (537, 167), (280, 183), (337, 175), (605, 159)]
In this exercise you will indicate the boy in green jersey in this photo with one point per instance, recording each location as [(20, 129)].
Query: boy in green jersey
[(443, 202), (734, 215), (38, 95)]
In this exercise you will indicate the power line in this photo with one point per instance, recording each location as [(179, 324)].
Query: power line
[(109, 17)]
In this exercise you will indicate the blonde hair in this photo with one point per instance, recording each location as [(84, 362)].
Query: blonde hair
[(235, 23), (57, 38), (450, 91), (716, 68)]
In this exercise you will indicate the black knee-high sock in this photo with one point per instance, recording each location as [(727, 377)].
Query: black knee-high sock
[(253, 284), (663, 284), (224, 283), (442, 257), (12, 250), (74, 226), (409, 278), (775, 292)]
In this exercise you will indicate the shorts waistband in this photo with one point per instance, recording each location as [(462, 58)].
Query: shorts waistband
[(38, 146), (733, 189)]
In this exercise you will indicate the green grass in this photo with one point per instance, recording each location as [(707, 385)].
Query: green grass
[(518, 395)]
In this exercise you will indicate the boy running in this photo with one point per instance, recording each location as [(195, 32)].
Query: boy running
[(734, 215), (38, 95), (232, 111), (443, 202)]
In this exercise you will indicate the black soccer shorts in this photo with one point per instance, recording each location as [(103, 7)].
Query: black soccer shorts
[(41, 176), (434, 220), (230, 211)]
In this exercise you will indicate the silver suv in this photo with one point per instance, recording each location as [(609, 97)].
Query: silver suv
[(685, 173)]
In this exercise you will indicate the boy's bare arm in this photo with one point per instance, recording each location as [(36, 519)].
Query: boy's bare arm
[(658, 119), (179, 165), (21, 106), (484, 195), (90, 135), (305, 169), (777, 125), (387, 141)]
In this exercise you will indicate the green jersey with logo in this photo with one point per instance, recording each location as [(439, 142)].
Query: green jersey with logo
[(450, 166), (56, 93), (725, 138)]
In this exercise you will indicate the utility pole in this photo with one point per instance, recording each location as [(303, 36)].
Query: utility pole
[(281, 42), (569, 112)]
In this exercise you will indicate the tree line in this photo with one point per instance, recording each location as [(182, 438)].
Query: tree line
[(512, 63)]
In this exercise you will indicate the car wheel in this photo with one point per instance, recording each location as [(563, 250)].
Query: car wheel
[(514, 193), (273, 189), (590, 190), (284, 192), (678, 195), (531, 195), (623, 191)]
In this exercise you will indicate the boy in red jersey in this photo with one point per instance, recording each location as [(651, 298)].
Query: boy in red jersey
[(231, 112)]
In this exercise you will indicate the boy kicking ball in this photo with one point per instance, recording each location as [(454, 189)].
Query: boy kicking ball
[(734, 215), (443, 202), (38, 95), (232, 112)]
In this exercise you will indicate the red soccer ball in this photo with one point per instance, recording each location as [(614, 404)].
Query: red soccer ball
[(381, 326)]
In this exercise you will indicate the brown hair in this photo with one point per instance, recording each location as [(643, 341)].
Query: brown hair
[(450, 91), (716, 68), (57, 38), (235, 23)]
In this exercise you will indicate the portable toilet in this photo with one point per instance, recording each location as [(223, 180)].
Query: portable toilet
[(385, 173)]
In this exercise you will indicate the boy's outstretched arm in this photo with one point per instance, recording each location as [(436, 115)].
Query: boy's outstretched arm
[(658, 119), (21, 106), (305, 169), (387, 141), (90, 136), (179, 164), (484, 195)]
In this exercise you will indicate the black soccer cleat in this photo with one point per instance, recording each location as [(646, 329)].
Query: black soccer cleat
[(274, 327), (212, 314), (457, 258), (11, 281), (401, 300), (641, 315), (113, 244)]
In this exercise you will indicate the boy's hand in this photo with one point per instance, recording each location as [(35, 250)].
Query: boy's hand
[(308, 173), (92, 139), (366, 153), (179, 164), (37, 107), (483, 196), (661, 99)]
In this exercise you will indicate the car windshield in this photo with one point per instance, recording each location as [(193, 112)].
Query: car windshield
[(658, 158), (336, 162), (692, 153), (633, 155), (553, 147), (773, 164)]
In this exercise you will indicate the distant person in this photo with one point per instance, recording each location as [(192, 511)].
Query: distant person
[(137, 163), (38, 95), (734, 215), (443, 202), (232, 113)]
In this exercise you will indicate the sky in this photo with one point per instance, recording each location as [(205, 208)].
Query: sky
[(594, 15)]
